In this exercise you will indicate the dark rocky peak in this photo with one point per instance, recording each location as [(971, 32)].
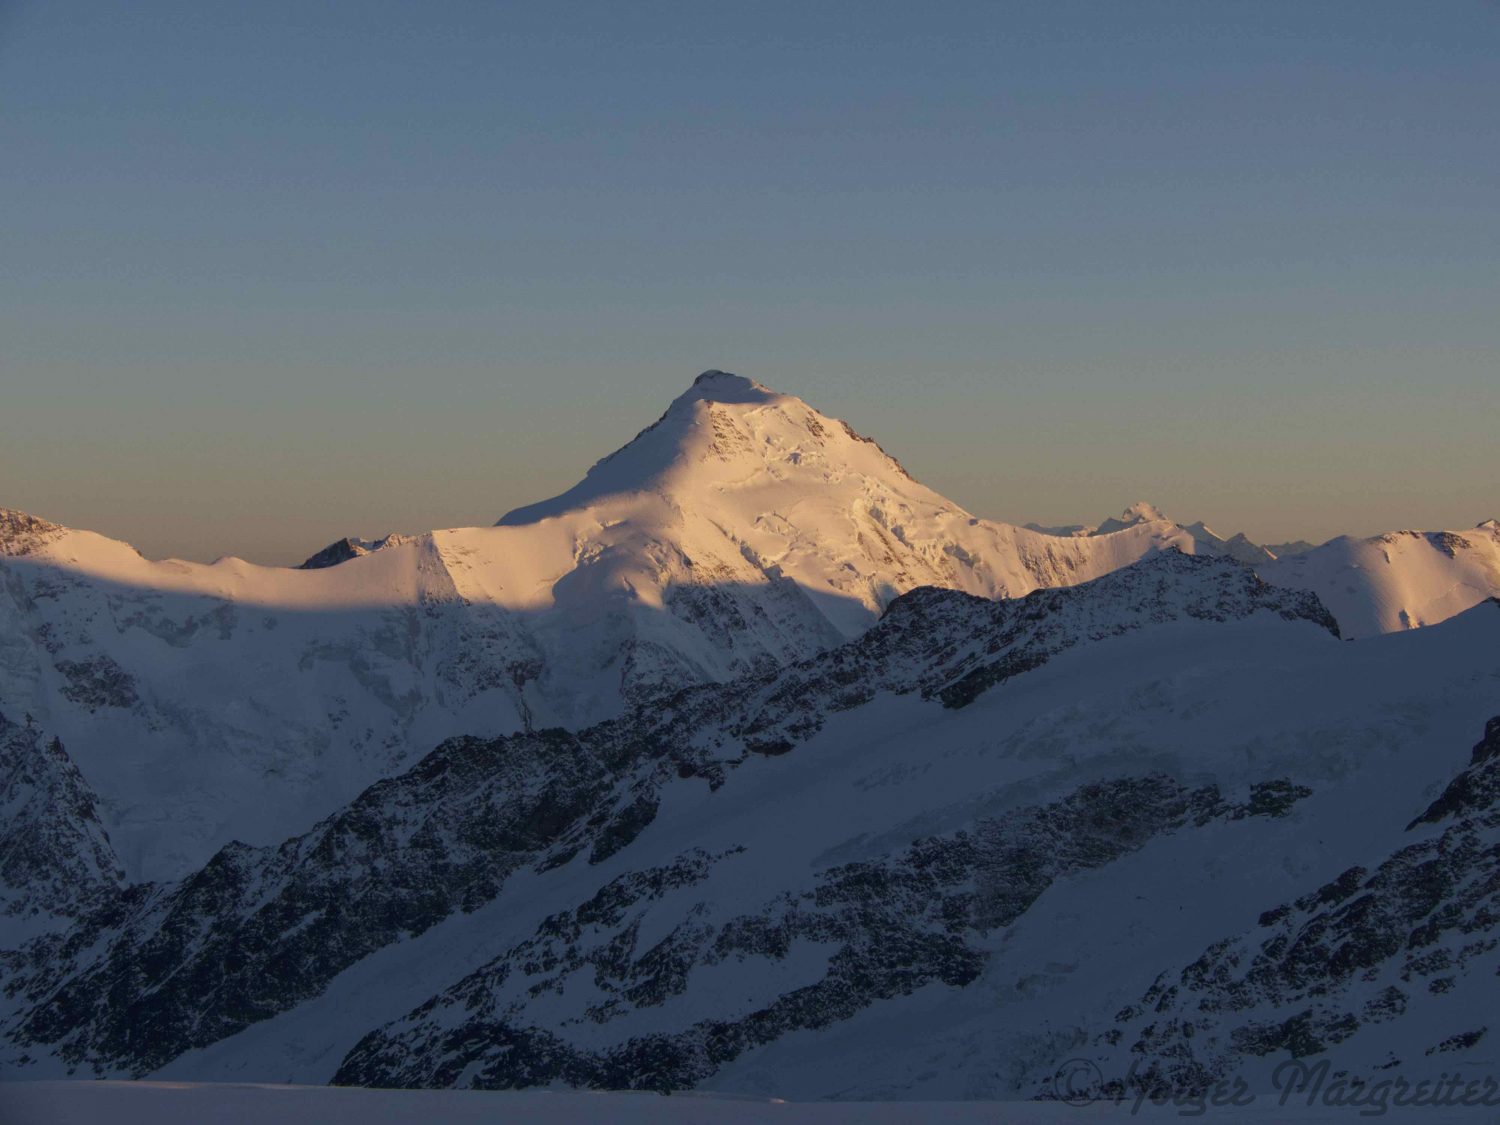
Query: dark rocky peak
[(22, 534), (349, 548)]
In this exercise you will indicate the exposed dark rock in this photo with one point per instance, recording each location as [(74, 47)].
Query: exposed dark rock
[(55, 856), (22, 534), (1476, 788), (97, 683), (893, 925), (342, 550)]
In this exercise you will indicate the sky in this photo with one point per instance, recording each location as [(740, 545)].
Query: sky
[(275, 273)]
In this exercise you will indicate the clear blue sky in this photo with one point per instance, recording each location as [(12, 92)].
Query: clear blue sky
[(274, 272)]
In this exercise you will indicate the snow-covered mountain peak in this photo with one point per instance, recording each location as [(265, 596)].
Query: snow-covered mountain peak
[(1143, 515), (738, 486), (1138, 513), (723, 386), (727, 432), (1142, 510)]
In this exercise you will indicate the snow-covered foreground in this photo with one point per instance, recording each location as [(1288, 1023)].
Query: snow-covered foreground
[(154, 1103)]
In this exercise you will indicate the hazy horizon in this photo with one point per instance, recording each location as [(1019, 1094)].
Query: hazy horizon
[(280, 275), (159, 536)]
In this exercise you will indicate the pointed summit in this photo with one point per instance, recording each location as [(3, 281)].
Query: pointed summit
[(724, 432), (742, 487), (722, 386)]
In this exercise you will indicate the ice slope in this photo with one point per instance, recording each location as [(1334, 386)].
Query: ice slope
[(743, 531)]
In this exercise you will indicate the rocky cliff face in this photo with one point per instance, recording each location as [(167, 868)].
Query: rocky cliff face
[(56, 861)]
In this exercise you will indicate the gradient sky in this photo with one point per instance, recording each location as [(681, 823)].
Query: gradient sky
[(274, 273)]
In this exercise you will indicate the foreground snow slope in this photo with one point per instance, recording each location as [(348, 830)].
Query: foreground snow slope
[(743, 531), (994, 883), (935, 862)]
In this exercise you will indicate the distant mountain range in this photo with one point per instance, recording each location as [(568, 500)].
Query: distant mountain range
[(1400, 580), (1205, 539), (748, 763)]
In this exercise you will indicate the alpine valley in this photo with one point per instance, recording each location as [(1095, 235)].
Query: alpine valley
[(751, 765)]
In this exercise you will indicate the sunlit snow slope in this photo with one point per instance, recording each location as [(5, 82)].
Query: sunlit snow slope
[(1397, 581)]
